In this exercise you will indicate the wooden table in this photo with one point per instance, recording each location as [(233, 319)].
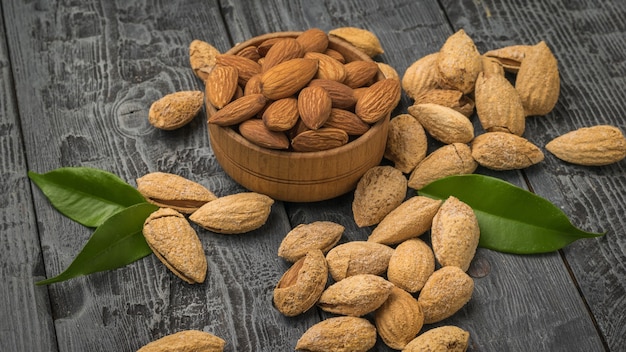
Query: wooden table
[(77, 79)]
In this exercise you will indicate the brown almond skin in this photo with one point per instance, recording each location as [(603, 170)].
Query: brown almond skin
[(221, 85), (175, 110), (411, 265), (339, 334), (445, 338), (346, 121), (360, 73), (446, 292), (250, 52), (358, 257), (246, 68), (407, 143), (355, 295), (302, 285), (379, 100), (448, 160), (455, 234), (313, 40), (321, 139), (257, 132), (235, 213), (538, 82), (399, 319), (283, 50), (281, 115), (176, 244), (498, 105), (329, 68), (341, 95), (239, 110), (314, 106), (287, 78), (172, 191), (410, 219), (379, 191), (322, 235), (187, 340), (591, 146), (443, 123), (505, 151)]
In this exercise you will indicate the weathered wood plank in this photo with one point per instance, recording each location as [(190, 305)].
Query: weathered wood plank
[(589, 40), (518, 318), (20, 259), (86, 74)]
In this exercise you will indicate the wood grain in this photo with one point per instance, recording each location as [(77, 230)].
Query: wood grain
[(589, 45), (82, 76), (25, 308)]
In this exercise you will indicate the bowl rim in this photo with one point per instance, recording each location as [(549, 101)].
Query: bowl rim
[(346, 148)]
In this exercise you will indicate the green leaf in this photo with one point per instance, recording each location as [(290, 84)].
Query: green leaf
[(86, 195), (511, 219), (116, 243)]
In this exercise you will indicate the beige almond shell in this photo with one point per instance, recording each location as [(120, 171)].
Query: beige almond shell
[(176, 244), (445, 338), (492, 66), (510, 57), (459, 63), (399, 319), (455, 234), (592, 146), (202, 58), (505, 151), (235, 213), (538, 82), (388, 71), (355, 295), (380, 190), (168, 190), (451, 98), (175, 110), (421, 76), (186, 340), (443, 123), (302, 285), (446, 291), (410, 219), (339, 334), (498, 105), (358, 257), (411, 264), (448, 160), (407, 143), (322, 235), (363, 39)]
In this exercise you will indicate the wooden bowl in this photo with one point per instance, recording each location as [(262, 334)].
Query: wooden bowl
[(298, 176)]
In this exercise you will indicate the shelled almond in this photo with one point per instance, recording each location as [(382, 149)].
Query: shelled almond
[(319, 79)]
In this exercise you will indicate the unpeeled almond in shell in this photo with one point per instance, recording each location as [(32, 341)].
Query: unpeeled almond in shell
[(363, 39), (379, 191), (358, 257), (176, 244), (339, 334), (443, 123), (592, 146), (448, 160), (445, 293), (498, 105), (445, 338), (421, 76), (187, 340), (411, 264), (202, 58), (410, 219), (355, 295), (235, 213), (455, 234), (406, 142), (175, 110), (505, 151), (322, 235), (173, 191), (459, 63), (537, 81), (399, 319), (301, 286)]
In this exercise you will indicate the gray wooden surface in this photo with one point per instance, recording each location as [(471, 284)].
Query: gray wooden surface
[(77, 79)]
